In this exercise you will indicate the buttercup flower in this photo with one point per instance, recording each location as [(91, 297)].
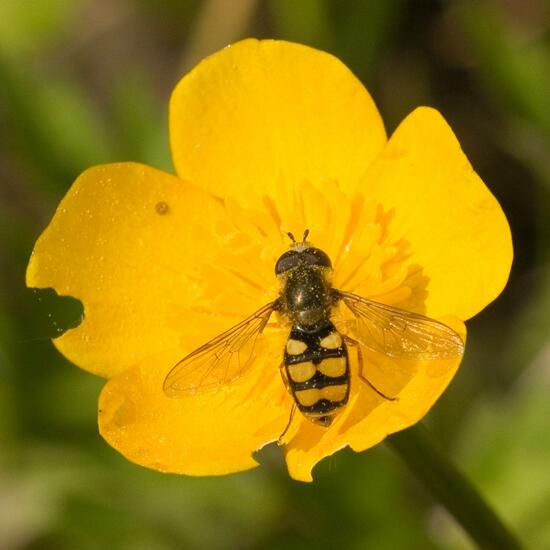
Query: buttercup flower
[(267, 137)]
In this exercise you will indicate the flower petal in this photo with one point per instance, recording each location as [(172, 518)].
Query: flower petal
[(368, 418), (457, 236), (261, 111), (125, 241), (210, 434)]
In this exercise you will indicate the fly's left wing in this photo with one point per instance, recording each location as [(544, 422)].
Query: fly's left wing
[(399, 333), (220, 361)]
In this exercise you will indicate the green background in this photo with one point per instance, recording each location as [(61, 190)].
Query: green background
[(84, 82)]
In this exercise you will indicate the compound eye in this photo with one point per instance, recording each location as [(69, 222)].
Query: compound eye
[(287, 261), (315, 256)]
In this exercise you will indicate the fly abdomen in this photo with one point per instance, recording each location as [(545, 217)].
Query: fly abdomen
[(317, 372)]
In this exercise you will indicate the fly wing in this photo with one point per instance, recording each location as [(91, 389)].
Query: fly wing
[(401, 334), (220, 361)]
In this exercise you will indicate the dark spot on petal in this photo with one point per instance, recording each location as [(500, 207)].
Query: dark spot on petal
[(162, 208)]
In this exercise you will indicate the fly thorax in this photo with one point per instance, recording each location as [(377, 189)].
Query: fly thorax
[(306, 295)]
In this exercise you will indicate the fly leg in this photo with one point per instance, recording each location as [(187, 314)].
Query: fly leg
[(284, 377), (280, 441), (352, 342)]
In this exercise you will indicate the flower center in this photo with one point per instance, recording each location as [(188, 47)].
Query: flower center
[(233, 279), (354, 231)]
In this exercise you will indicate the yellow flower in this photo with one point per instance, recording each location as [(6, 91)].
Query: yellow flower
[(267, 137)]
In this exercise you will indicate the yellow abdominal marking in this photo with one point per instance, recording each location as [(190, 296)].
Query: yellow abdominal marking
[(300, 372), (307, 398), (333, 366), (295, 347), (332, 341)]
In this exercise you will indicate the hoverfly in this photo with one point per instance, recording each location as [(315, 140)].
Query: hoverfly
[(315, 364)]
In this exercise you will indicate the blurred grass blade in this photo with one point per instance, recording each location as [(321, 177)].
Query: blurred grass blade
[(216, 27), (307, 21), (54, 126), (451, 489), (516, 70), (138, 119)]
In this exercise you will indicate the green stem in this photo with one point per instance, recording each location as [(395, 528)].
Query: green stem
[(418, 450)]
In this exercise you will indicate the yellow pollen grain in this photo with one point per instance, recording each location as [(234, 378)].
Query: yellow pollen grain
[(308, 397), (300, 372), (333, 366), (332, 341), (335, 393), (295, 347)]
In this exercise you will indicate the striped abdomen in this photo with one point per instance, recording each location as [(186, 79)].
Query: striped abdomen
[(317, 372)]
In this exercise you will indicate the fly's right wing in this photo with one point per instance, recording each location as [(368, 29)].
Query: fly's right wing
[(220, 361), (401, 334)]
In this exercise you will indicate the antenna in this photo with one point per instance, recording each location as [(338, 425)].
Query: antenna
[(304, 238)]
